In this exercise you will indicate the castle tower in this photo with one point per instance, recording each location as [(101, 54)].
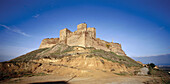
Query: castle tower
[(92, 32), (82, 27), (63, 35)]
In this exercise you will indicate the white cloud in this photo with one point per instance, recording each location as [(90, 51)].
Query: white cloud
[(36, 16), (15, 30), (154, 55), (5, 26)]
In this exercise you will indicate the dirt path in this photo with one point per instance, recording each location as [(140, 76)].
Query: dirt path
[(81, 80)]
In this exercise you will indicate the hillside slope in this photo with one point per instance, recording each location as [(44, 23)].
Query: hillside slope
[(69, 61)]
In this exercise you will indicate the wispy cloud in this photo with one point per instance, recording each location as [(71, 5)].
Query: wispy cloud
[(15, 51), (15, 30), (155, 55), (161, 28), (36, 16)]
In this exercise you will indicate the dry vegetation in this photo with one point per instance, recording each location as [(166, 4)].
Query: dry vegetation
[(68, 53)]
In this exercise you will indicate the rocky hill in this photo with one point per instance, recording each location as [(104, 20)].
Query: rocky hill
[(67, 60), (77, 53)]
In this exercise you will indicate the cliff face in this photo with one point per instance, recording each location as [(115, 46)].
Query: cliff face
[(85, 37)]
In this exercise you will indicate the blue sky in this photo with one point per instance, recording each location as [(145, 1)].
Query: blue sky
[(141, 26)]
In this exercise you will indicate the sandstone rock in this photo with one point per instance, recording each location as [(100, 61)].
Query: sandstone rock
[(143, 71)]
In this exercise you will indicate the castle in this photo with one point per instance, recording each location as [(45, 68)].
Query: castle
[(85, 37)]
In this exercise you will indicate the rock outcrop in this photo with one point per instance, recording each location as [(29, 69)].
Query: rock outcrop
[(85, 37), (143, 71)]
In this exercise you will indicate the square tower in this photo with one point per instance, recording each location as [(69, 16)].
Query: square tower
[(63, 35), (92, 32), (82, 27)]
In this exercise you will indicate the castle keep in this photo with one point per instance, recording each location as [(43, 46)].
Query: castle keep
[(85, 37)]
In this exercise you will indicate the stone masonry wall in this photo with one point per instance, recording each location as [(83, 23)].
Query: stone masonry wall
[(63, 35), (85, 37), (49, 42), (77, 39)]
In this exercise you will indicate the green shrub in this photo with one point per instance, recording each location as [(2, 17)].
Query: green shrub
[(101, 61), (107, 45), (89, 56), (67, 50), (151, 65), (122, 73)]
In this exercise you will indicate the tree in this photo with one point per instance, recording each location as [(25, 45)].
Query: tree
[(152, 65), (107, 45)]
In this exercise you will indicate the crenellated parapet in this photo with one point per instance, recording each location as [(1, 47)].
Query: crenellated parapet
[(85, 37)]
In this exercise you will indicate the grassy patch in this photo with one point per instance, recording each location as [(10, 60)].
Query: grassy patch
[(89, 56), (34, 74), (15, 81), (98, 51), (90, 47), (101, 61), (67, 50), (109, 59), (45, 51), (9, 75), (29, 56), (111, 56), (122, 73), (59, 53)]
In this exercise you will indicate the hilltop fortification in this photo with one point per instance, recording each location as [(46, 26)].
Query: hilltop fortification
[(85, 37)]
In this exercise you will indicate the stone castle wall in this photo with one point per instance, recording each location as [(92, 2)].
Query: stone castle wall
[(77, 39), (85, 37), (49, 42)]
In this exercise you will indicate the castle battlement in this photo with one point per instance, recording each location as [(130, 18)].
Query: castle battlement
[(85, 37)]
